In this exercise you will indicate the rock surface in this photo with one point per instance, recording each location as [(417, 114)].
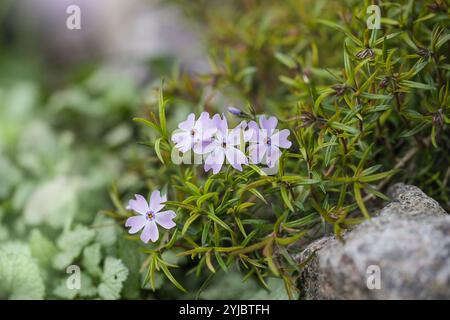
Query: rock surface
[(406, 248)]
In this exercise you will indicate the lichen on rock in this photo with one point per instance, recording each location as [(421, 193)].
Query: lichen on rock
[(409, 242)]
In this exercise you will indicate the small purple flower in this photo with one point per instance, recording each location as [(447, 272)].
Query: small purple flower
[(196, 135), (226, 145), (265, 141), (149, 215)]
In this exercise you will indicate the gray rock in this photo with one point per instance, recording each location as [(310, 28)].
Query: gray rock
[(407, 245)]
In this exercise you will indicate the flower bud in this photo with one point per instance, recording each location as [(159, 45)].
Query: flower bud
[(339, 89), (235, 111), (424, 52), (365, 53)]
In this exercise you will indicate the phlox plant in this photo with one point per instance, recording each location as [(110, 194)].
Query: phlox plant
[(211, 137), (218, 213), (224, 214), (335, 112)]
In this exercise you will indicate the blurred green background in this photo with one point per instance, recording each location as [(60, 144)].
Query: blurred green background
[(67, 99)]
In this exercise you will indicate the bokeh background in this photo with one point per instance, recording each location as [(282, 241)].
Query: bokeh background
[(71, 154)]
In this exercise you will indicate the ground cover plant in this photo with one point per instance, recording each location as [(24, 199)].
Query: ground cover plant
[(204, 185), (363, 107)]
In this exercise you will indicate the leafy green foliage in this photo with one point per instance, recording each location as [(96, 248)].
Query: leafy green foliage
[(19, 273), (92, 258), (54, 182), (70, 244), (364, 107), (114, 274)]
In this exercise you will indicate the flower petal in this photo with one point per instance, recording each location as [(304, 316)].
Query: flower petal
[(204, 122), (188, 124), (150, 232), (221, 124), (273, 154), (257, 152), (268, 124), (184, 142), (136, 223), (155, 201), (253, 132), (178, 135), (139, 204), (164, 219), (215, 160), (204, 147), (279, 139), (236, 136), (236, 158)]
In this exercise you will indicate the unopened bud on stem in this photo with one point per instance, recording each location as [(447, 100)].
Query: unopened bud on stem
[(236, 111)]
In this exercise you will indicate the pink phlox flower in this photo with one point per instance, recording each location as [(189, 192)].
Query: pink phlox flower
[(149, 214), (265, 141), (195, 134), (226, 145)]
